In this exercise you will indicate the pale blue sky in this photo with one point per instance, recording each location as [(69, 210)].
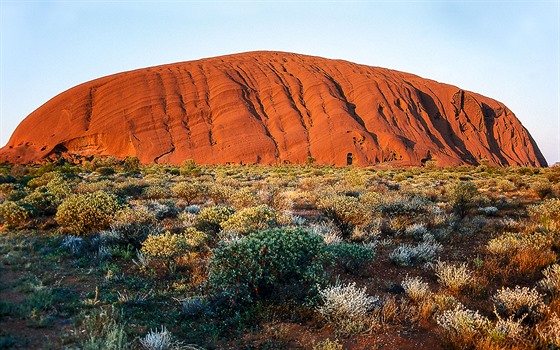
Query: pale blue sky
[(507, 50)]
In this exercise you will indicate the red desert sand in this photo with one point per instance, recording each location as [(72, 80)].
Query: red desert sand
[(271, 108)]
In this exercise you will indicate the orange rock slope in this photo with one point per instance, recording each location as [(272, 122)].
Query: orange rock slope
[(273, 107)]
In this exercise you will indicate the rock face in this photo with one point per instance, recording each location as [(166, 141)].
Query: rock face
[(273, 107)]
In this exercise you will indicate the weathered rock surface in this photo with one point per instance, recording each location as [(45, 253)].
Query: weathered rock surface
[(273, 107)]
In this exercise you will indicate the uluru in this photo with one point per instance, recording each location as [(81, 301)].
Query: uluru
[(273, 108)]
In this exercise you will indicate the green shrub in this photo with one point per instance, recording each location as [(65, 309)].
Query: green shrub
[(105, 170), (42, 180), (44, 202), (542, 188), (165, 246), (462, 196), (220, 193), (94, 186), (251, 219), (189, 168), (84, 213), (210, 218), (243, 198), (102, 330), (156, 192), (14, 214), (351, 256), (267, 262), (195, 238), (134, 224), (17, 195), (547, 213), (128, 188), (189, 191), (4, 179), (400, 205), (131, 164), (506, 185), (103, 162), (12, 192), (346, 212), (326, 344), (58, 185)]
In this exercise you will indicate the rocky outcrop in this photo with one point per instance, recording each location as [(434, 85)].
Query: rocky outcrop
[(273, 107)]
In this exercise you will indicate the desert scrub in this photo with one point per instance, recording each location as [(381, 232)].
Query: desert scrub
[(243, 198), (416, 231), (157, 192), (14, 214), (220, 193), (506, 185), (133, 224), (189, 191), (548, 332), (453, 277), (547, 213), (328, 344), (12, 192), (409, 255), (351, 256), (462, 196), (131, 164), (44, 202), (189, 168), (462, 327), (103, 330), (84, 213), (346, 212), (508, 243), (489, 211), (162, 210), (507, 331), (329, 232), (159, 340), (346, 306), (165, 247), (520, 302), (416, 289), (542, 188), (401, 211), (42, 180), (551, 280), (59, 186), (210, 218), (129, 188), (105, 171), (196, 239), (251, 219), (94, 186), (267, 264), (276, 197), (522, 252), (395, 204)]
